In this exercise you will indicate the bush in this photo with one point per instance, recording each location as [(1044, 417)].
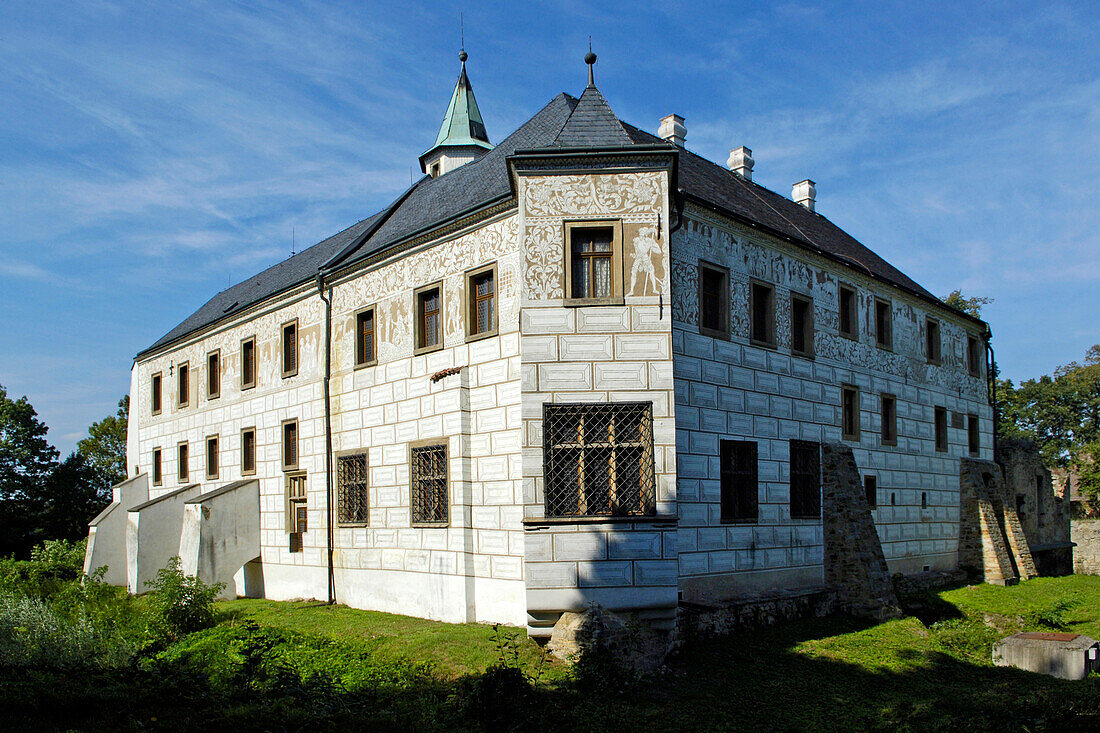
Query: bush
[(180, 604), (32, 634), (61, 553)]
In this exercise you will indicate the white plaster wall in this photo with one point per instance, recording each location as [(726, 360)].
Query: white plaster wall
[(107, 532), (221, 533), (732, 389), (153, 536)]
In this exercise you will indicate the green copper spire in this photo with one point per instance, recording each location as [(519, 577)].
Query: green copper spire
[(462, 125)]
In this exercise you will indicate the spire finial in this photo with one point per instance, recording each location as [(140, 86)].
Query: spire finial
[(590, 59), (462, 56)]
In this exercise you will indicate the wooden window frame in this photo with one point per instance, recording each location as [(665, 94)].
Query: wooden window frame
[(854, 294), (472, 299), (845, 390), (213, 474), (292, 502), (882, 341), (340, 508), (419, 330), (443, 443), (870, 490), (940, 437), (245, 471), (731, 486), (360, 362), (245, 342), (214, 376), (616, 297), (183, 462), (973, 358), (889, 437), (769, 315), (973, 435), (930, 325), (183, 379), (156, 393), (158, 467), (723, 305), (810, 332), (297, 445), (798, 509), (291, 371)]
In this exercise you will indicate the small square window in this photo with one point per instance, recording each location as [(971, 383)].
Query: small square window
[(248, 451), (884, 324), (802, 325), (290, 445), (364, 338), (429, 318), (762, 315), (248, 363), (213, 375), (481, 302), (429, 483), (805, 479), (155, 393), (183, 470), (740, 486), (158, 477), (932, 341), (290, 349), (849, 316), (973, 435), (183, 384), (850, 412), (941, 429), (889, 420), (973, 356), (714, 299), (870, 491), (212, 457), (351, 488)]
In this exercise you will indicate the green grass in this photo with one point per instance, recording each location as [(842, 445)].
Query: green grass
[(1035, 595)]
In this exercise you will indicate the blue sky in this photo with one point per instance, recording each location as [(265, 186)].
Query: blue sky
[(153, 152)]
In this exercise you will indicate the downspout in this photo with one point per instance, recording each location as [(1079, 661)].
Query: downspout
[(329, 537), (991, 372)]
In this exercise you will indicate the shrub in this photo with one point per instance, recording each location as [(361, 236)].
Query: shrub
[(62, 553), (32, 634), (180, 604)]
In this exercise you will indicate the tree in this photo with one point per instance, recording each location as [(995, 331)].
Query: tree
[(72, 495), (972, 306), (26, 458), (104, 450)]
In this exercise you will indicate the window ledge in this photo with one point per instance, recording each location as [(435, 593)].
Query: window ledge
[(763, 344), (429, 525), (427, 349), (365, 364), (580, 302), (480, 336), (808, 355), (714, 333), (532, 522)]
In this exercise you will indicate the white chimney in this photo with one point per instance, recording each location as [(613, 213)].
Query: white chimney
[(804, 193), (741, 162), (672, 129)]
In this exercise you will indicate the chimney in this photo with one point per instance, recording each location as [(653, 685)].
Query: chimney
[(672, 129), (804, 193), (741, 162)]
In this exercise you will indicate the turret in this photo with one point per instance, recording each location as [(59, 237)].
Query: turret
[(462, 137)]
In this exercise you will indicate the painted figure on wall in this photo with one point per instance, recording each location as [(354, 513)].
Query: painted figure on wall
[(646, 248)]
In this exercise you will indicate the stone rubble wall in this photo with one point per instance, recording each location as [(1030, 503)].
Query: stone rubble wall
[(1085, 533), (991, 537)]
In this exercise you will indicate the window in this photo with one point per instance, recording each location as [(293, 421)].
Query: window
[(802, 325), (805, 480), (364, 337), (428, 492), (870, 491), (762, 316), (973, 437), (932, 341), (290, 349), (481, 302), (429, 306), (849, 397), (739, 481), (248, 451), (183, 384), (924, 500), (973, 356), (849, 318), (158, 477), (290, 444), (213, 375), (351, 488), (297, 513), (884, 324), (598, 459), (941, 429), (593, 261), (212, 457), (889, 420), (183, 471), (714, 300), (248, 363), (154, 390)]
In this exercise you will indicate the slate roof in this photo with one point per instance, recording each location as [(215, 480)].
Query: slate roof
[(566, 122)]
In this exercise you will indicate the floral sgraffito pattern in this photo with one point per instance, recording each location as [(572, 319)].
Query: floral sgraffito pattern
[(616, 194)]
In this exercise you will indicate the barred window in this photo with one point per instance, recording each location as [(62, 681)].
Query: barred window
[(598, 459), (739, 481), (364, 337), (805, 479), (429, 483), (351, 488)]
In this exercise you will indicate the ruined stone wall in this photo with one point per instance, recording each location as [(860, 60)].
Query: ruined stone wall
[(1044, 515), (1085, 534)]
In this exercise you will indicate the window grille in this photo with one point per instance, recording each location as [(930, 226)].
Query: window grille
[(592, 260), (429, 484), (598, 459), (805, 479), (351, 487), (740, 487)]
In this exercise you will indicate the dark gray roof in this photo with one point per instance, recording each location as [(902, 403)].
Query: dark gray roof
[(565, 122)]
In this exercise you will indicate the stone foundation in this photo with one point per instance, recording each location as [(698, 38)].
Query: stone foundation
[(702, 620)]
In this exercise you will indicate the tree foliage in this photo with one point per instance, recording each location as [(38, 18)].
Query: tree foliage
[(104, 450), (973, 305)]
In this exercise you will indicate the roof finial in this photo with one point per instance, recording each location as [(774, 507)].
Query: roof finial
[(462, 56), (590, 59)]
